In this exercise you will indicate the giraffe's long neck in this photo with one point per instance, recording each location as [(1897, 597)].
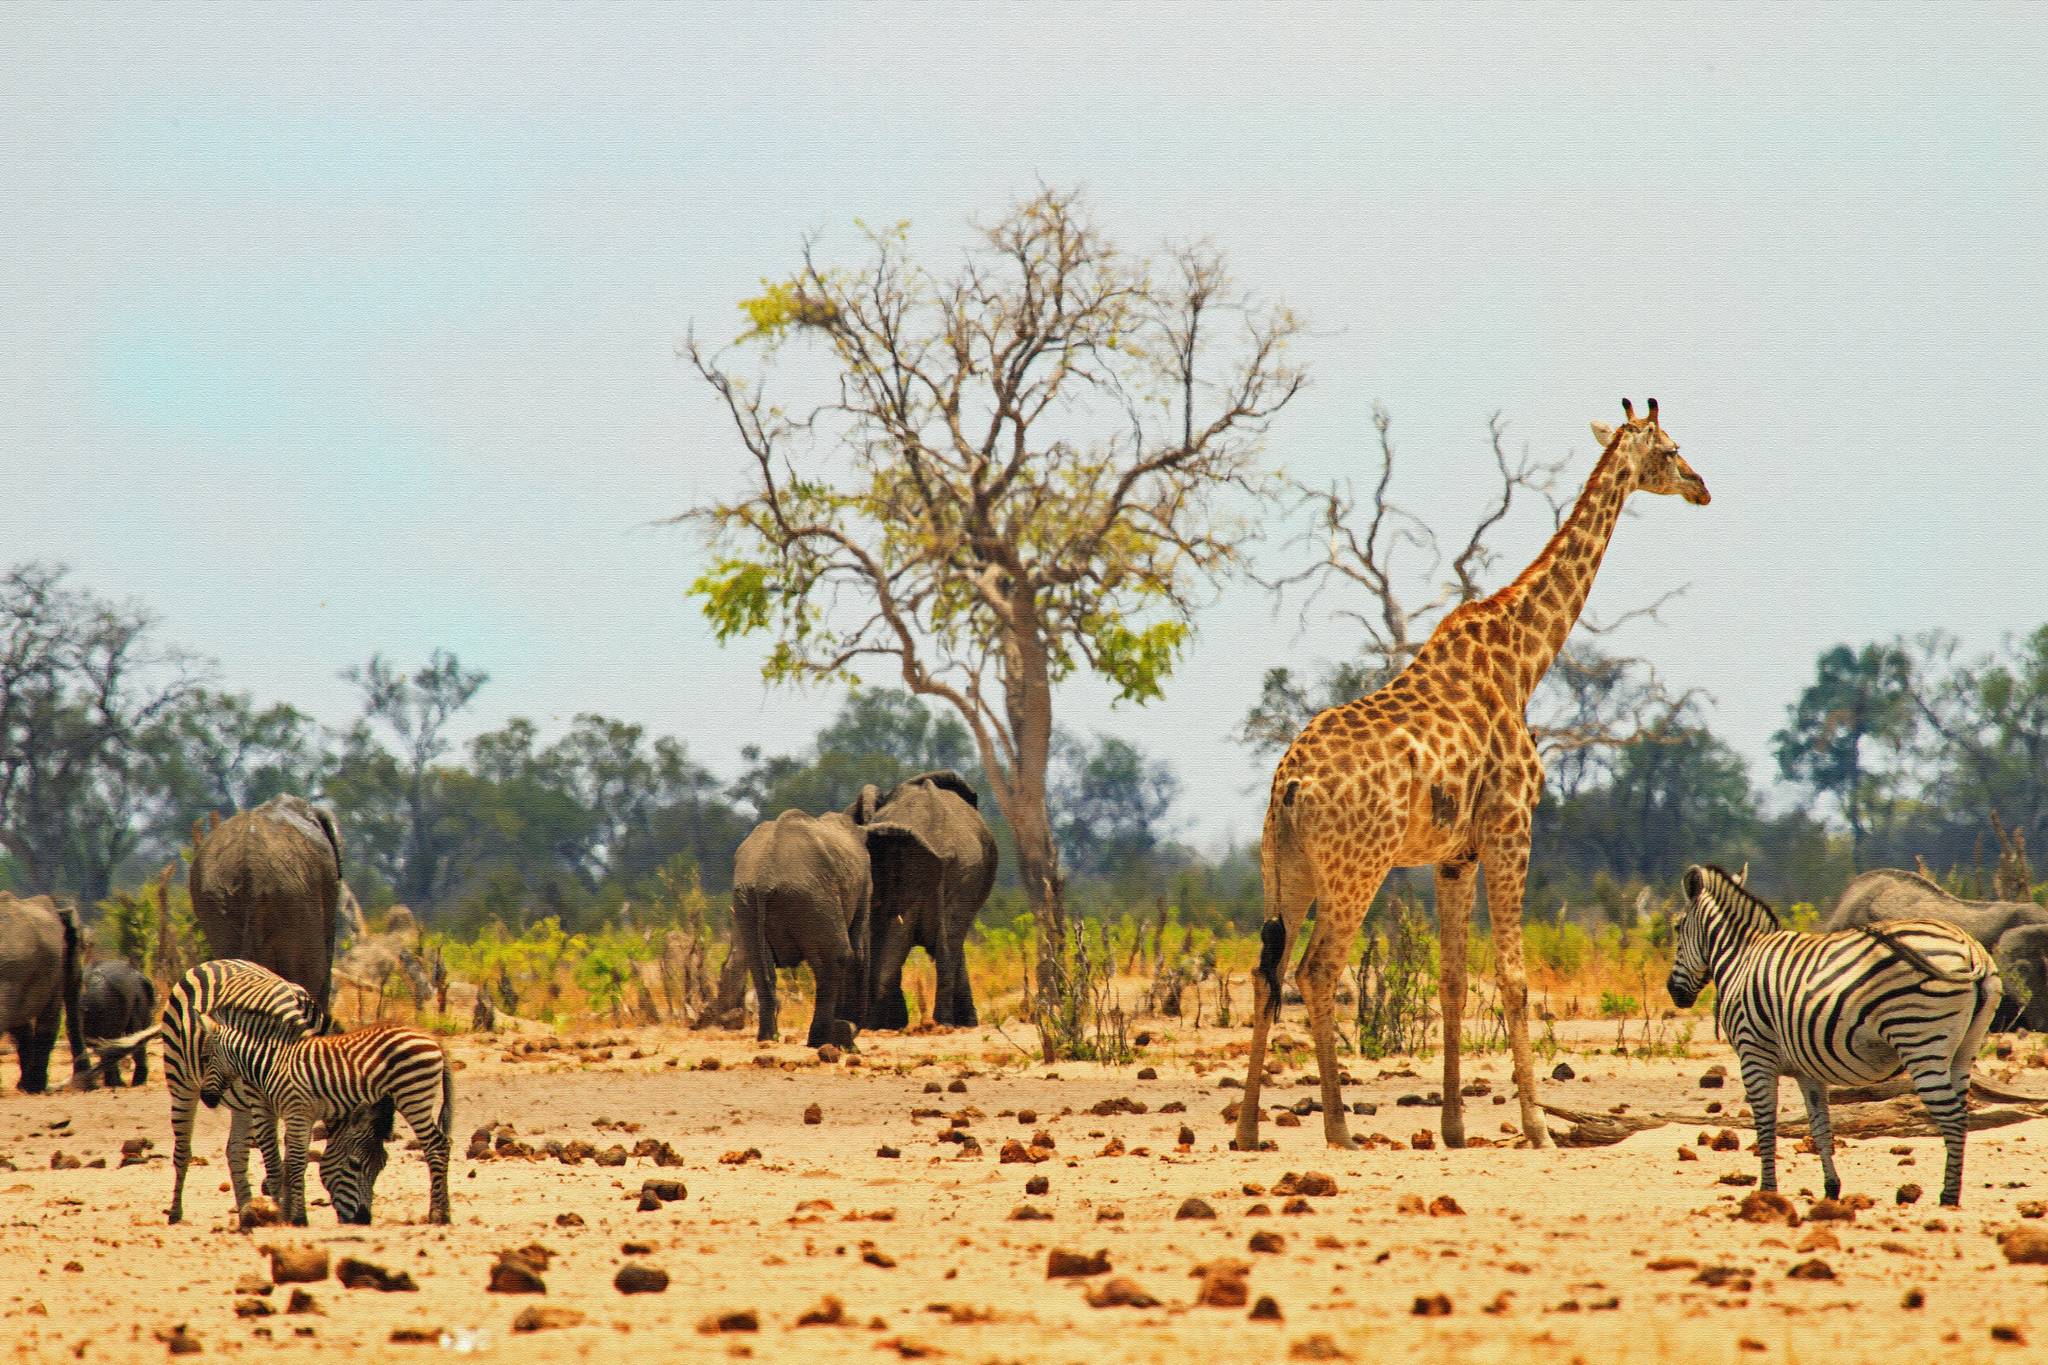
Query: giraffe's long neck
[(1544, 603)]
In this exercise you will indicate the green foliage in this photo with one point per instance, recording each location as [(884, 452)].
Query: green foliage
[(1614, 1005)]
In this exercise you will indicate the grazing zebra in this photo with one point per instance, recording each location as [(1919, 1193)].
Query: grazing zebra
[(1848, 1008), (312, 1077), (353, 1157)]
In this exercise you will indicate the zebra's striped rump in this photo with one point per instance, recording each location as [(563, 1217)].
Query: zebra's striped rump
[(378, 1071), (273, 1008), (1849, 1008)]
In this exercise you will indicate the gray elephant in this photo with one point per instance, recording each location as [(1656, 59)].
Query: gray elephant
[(800, 893), (39, 983), (2014, 932), (934, 862), (266, 885), (117, 1001)]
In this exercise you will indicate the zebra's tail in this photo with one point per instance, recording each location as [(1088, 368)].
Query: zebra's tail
[(1913, 958), (447, 1119)]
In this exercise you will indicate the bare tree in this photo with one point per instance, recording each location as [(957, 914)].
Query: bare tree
[(1025, 468), (1394, 579)]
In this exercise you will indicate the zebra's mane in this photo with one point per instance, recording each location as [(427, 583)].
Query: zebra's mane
[(1727, 883)]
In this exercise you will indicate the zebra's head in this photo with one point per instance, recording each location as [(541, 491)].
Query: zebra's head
[(214, 1071), (1719, 915), (353, 1159)]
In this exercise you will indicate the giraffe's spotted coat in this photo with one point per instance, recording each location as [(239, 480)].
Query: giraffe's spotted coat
[(1438, 768)]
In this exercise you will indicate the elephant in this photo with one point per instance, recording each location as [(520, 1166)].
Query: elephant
[(118, 1000), (266, 886), (800, 893), (933, 861), (39, 982)]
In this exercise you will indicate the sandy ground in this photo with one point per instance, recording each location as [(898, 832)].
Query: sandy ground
[(1551, 1259)]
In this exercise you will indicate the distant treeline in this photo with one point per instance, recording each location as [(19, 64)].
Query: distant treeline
[(113, 743)]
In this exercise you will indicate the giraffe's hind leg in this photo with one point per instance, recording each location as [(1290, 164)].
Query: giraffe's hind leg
[(1455, 885), (1337, 919)]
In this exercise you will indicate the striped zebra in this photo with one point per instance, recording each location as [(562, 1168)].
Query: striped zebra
[(1847, 1008), (382, 1070), (353, 1155)]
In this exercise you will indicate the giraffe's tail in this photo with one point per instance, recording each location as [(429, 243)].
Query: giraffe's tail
[(1272, 952)]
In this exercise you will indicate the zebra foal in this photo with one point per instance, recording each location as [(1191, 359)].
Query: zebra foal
[(1848, 1008), (275, 1008), (378, 1071)]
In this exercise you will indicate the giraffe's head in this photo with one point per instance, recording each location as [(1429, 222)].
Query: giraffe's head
[(1651, 456)]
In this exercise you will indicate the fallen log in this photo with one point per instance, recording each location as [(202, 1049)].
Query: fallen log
[(1901, 1116)]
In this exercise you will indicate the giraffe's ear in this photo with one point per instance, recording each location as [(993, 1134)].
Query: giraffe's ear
[(1603, 433)]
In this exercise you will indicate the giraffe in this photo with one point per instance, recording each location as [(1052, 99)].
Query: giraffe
[(1437, 768)]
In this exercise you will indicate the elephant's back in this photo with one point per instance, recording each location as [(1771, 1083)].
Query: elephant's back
[(796, 852), (31, 955), (253, 858)]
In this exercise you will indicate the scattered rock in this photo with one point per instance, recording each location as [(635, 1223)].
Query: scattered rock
[(541, 1317), (1432, 1306), (1223, 1284), (1310, 1183), (1269, 1243), (1562, 1072), (875, 1256), (1265, 1310), (1914, 1298), (1119, 1292), (359, 1274), (252, 1308), (664, 1190), (2024, 1245), (732, 1320), (1037, 1184), (1832, 1211), (415, 1336), (2006, 1332), (1443, 1206), (1192, 1207), (568, 1220), (1061, 1263), (640, 1278), (1767, 1206), (1815, 1269), (829, 1053), (297, 1264), (887, 1153), (1422, 1140), (1725, 1141), (1409, 1203), (514, 1274), (1316, 1346), (1673, 1263), (1715, 1078), (827, 1312), (1029, 1213), (813, 1115), (179, 1341), (260, 1212), (302, 1302)]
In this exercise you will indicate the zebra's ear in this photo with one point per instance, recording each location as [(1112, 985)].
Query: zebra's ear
[(1695, 882)]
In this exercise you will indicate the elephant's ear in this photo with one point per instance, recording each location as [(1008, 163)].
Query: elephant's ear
[(890, 829), (863, 808), (949, 780), (332, 830)]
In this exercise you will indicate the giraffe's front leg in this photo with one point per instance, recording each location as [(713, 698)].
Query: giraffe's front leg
[(1317, 976), (1455, 884), (1506, 856)]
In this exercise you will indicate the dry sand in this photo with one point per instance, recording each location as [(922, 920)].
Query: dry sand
[(1550, 1260)]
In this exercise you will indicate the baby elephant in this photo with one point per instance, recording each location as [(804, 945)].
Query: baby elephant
[(117, 1001)]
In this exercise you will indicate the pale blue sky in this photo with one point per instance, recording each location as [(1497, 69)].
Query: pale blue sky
[(346, 329)]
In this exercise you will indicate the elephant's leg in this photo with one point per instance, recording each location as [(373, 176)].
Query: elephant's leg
[(141, 1065), (954, 1006), (832, 972), (33, 1045), (887, 1007), (764, 987)]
